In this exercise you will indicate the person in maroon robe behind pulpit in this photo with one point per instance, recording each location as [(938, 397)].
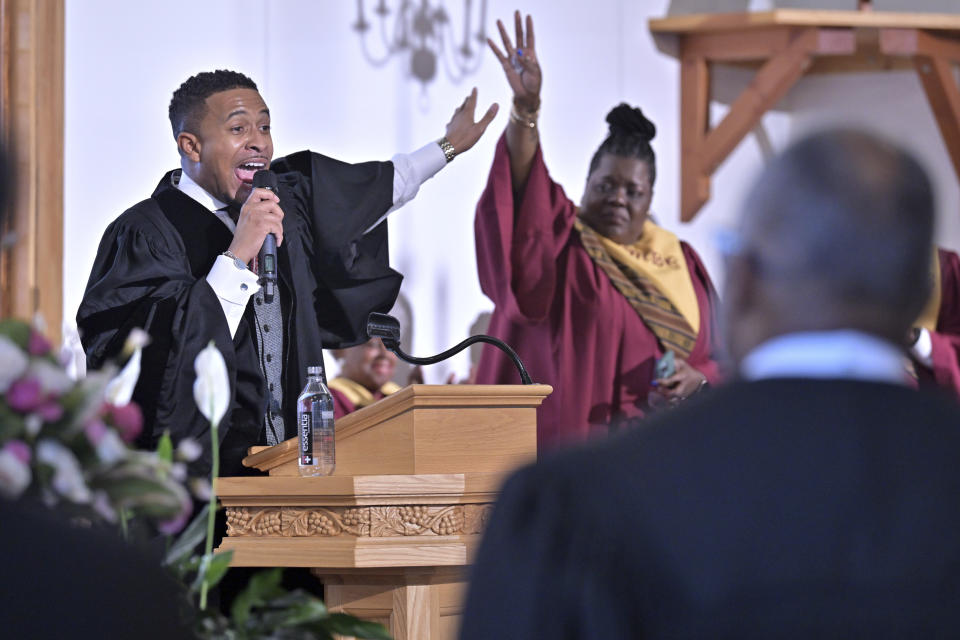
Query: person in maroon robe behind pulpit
[(366, 373), (590, 296), (935, 348)]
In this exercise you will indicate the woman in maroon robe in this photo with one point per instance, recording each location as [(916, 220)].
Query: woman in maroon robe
[(936, 343), (576, 288)]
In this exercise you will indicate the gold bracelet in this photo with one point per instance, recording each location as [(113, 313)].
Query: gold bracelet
[(530, 121), (448, 150)]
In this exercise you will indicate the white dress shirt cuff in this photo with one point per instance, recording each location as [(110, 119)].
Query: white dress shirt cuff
[(923, 349), (410, 170), (233, 287)]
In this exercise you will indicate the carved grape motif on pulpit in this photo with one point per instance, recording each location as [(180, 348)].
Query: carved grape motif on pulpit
[(415, 520), (257, 521), (361, 522), (310, 522), (356, 521)]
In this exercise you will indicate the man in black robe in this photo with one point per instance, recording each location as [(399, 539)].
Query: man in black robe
[(815, 498), (176, 264)]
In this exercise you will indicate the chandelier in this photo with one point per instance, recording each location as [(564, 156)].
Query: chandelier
[(423, 32)]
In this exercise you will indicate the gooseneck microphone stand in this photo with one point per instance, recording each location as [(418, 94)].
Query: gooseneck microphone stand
[(387, 328)]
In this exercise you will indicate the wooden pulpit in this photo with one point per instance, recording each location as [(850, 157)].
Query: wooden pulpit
[(392, 532)]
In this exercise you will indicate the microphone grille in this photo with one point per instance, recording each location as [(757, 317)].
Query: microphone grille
[(265, 179)]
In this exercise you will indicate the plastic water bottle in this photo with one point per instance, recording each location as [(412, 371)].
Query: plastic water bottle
[(315, 426)]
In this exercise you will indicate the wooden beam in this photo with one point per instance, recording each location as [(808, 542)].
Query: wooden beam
[(33, 116), (731, 46), (694, 122), (745, 21), (771, 83), (940, 85), (49, 70), (914, 42)]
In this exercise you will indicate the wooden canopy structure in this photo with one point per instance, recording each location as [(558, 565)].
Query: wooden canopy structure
[(784, 45)]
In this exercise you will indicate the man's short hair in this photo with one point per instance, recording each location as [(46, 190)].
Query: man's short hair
[(188, 105), (852, 212)]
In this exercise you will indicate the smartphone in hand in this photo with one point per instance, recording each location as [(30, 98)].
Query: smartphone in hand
[(666, 366)]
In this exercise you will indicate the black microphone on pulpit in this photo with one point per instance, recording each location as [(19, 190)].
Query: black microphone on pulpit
[(387, 328), (267, 258)]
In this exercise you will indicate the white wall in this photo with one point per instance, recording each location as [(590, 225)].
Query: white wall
[(125, 59)]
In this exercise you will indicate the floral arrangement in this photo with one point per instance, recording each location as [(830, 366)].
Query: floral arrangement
[(68, 444)]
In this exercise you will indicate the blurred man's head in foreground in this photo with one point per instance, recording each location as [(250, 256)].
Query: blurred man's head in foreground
[(836, 234)]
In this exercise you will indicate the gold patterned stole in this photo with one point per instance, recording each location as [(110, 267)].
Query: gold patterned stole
[(928, 317), (637, 279)]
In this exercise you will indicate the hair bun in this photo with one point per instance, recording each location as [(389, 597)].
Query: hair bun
[(626, 120)]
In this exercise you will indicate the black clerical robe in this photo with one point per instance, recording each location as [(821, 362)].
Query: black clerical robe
[(150, 272)]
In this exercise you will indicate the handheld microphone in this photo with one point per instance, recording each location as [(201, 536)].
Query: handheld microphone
[(267, 258)]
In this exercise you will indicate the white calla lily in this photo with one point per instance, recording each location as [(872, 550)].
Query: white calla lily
[(136, 339), (211, 391), (14, 361), (52, 378), (111, 448), (119, 391), (67, 475), (15, 475)]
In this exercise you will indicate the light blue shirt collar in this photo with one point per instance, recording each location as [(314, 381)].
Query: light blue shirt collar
[(843, 354)]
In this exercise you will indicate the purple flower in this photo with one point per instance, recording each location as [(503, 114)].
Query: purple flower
[(38, 344), (95, 430), (176, 523), (19, 450), (50, 411), (188, 450), (25, 395), (128, 419)]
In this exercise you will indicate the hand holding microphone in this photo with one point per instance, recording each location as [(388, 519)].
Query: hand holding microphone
[(260, 230), (267, 261)]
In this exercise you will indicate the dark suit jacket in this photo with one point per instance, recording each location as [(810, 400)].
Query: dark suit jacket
[(63, 581), (779, 508)]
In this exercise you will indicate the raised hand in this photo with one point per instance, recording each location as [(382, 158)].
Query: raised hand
[(520, 64), (462, 131)]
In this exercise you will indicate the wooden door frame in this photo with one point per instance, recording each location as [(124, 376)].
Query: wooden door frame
[(32, 119)]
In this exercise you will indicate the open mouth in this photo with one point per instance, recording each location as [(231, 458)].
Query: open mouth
[(245, 171)]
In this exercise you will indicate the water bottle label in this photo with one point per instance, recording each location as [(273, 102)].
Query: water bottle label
[(306, 438)]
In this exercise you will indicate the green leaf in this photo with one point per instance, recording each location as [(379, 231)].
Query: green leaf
[(165, 447), (191, 537), (12, 424), (310, 610), (217, 567), (17, 330), (212, 568), (145, 495), (263, 586), (347, 625)]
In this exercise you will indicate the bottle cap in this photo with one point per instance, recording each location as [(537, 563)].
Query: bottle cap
[(315, 370)]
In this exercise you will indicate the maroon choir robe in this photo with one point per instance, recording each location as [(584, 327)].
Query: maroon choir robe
[(570, 325), (946, 339)]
